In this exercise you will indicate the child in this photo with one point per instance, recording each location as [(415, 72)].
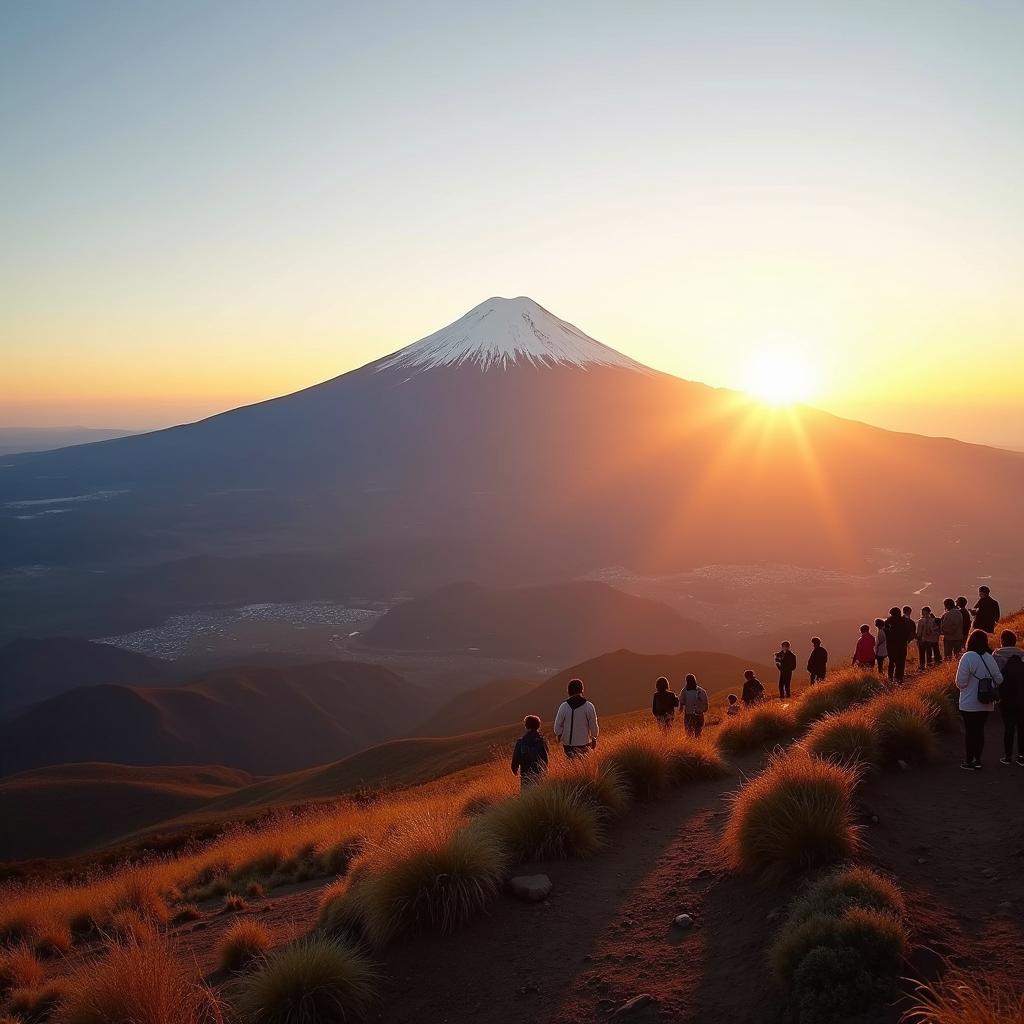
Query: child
[(734, 705), (664, 705), (530, 756)]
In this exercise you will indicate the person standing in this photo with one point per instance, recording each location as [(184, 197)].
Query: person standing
[(664, 705), (694, 700), (785, 662), (817, 662), (986, 611), (952, 629), (576, 722), (911, 623), (897, 639), (530, 754), (978, 679), (864, 653), (753, 689), (1010, 659), (965, 615), (927, 633), (881, 645)]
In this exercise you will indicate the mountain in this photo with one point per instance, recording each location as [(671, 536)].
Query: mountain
[(616, 682), (508, 447), (559, 622), (262, 720), (39, 439), (35, 669)]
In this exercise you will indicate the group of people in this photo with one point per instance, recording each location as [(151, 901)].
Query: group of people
[(983, 678)]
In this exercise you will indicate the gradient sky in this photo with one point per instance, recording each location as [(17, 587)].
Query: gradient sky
[(206, 204)]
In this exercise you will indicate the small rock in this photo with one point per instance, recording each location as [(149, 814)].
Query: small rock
[(636, 1003), (873, 819), (903, 766), (921, 860), (683, 921), (532, 888)]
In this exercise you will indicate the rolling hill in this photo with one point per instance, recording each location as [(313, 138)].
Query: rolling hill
[(263, 720), (561, 622)]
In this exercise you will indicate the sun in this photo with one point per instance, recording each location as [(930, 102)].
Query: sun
[(778, 375)]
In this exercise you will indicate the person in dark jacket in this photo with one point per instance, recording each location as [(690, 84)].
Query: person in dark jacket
[(817, 663), (908, 615), (986, 611), (530, 755), (951, 625), (1010, 659), (961, 604), (664, 705), (898, 634), (753, 689), (785, 662)]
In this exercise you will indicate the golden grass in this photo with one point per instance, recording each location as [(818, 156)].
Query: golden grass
[(757, 728), (841, 690), (640, 756), (242, 944), (317, 980), (845, 736), (137, 982), (797, 814), (962, 997), (37, 1002), (600, 782), (548, 822), (19, 968), (904, 723)]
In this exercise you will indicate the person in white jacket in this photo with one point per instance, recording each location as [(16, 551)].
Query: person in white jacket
[(576, 722), (977, 678), (694, 700)]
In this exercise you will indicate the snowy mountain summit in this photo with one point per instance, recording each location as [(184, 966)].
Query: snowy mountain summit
[(502, 333)]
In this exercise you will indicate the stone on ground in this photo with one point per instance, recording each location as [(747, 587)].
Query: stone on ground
[(532, 888)]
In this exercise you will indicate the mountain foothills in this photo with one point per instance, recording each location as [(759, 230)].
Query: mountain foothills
[(507, 447), (559, 621)]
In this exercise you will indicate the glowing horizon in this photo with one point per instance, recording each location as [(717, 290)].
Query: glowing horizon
[(207, 207)]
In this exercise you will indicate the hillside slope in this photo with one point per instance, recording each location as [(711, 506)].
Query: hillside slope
[(264, 720), (566, 622)]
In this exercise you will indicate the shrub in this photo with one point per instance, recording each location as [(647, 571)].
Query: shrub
[(242, 943), (254, 891), (141, 982), (430, 874), (233, 902), (839, 890), (188, 912), (336, 857), (796, 814), (640, 755), (19, 968), (756, 729), (840, 691), (833, 986), (315, 981), (599, 782), (37, 1002), (904, 725), (548, 822), (963, 998), (848, 736), (938, 691), (691, 759), (51, 937), (130, 924)]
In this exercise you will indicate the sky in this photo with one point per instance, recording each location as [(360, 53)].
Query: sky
[(203, 205)]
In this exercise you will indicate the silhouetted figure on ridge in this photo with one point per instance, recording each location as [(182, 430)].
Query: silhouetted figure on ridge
[(864, 653), (817, 662), (928, 631), (965, 615), (753, 689), (576, 722), (986, 611), (952, 628), (881, 645), (664, 704), (898, 634), (785, 662), (530, 755)]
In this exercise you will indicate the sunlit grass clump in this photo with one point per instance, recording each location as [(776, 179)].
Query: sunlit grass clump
[(641, 757), (318, 980), (19, 968), (847, 736), (904, 724), (965, 997), (797, 814), (548, 822), (600, 782), (140, 983), (242, 944), (757, 728), (839, 691)]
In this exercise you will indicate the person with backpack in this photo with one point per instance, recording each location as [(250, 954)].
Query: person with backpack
[(978, 679), (576, 722), (664, 704), (694, 700), (1010, 659), (881, 645), (864, 653), (927, 632), (897, 640), (951, 626), (753, 689), (785, 662), (530, 754), (986, 611), (817, 663)]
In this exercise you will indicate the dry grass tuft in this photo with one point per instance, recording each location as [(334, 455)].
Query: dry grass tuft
[(233, 903), (797, 814), (600, 782), (690, 760), (848, 736), (757, 728), (38, 1002), (548, 822), (130, 925), (19, 968), (187, 912), (640, 756), (904, 724), (841, 690), (140, 983), (315, 981), (965, 998), (242, 944)]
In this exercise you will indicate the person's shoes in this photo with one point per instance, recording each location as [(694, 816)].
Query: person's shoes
[(1005, 760), (1020, 760), (976, 766), (967, 766)]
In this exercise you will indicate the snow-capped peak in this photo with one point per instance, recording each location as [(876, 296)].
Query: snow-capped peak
[(500, 333)]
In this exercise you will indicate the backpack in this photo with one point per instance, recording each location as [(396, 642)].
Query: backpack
[(988, 692)]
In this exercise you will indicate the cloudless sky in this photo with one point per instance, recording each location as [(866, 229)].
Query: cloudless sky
[(204, 204)]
